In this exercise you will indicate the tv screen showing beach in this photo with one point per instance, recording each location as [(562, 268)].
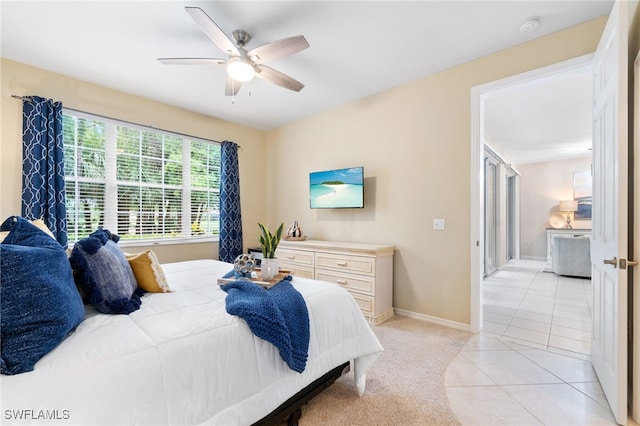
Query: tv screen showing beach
[(341, 188)]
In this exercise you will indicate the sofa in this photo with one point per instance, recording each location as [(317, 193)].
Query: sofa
[(571, 256)]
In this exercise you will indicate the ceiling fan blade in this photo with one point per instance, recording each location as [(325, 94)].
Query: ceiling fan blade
[(231, 87), (212, 30), (276, 77), (278, 49), (192, 61)]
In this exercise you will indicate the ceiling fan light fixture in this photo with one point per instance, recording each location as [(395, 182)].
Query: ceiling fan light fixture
[(240, 70)]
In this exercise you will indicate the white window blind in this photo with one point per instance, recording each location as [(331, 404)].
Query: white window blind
[(138, 182)]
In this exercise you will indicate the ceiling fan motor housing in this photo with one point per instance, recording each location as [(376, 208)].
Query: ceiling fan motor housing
[(241, 37)]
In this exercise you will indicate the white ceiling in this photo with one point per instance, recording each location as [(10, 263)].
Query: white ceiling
[(542, 120), (357, 49)]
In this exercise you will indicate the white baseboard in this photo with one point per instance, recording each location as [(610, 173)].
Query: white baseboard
[(434, 320)]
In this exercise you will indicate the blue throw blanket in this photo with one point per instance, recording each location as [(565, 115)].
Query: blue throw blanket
[(278, 315)]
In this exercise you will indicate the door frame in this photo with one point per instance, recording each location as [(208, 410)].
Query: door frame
[(634, 175), (476, 238)]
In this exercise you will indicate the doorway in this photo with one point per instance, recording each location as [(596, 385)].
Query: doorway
[(479, 245)]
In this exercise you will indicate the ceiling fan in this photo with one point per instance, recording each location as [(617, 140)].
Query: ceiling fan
[(242, 66)]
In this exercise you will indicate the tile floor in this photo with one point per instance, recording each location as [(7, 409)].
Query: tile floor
[(530, 365)]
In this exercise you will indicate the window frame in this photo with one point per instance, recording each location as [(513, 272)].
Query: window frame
[(111, 182)]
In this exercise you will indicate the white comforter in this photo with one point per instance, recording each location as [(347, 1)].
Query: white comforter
[(181, 359)]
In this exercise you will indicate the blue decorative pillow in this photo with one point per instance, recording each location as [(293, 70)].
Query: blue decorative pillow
[(104, 275), (40, 303)]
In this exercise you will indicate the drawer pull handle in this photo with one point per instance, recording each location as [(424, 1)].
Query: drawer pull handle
[(291, 257), (343, 263), (343, 282)]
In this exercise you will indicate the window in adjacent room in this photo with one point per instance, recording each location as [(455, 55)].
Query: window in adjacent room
[(141, 183)]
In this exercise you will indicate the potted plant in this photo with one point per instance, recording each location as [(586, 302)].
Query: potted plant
[(268, 243)]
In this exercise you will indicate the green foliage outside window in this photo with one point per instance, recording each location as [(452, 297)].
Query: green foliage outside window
[(133, 181)]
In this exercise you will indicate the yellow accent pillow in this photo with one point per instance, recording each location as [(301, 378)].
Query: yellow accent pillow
[(148, 272)]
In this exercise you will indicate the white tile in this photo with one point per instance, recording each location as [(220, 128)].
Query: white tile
[(570, 344), (487, 405), (566, 368), (538, 326), (510, 368), (532, 307), (576, 355), (493, 327), (560, 404), (593, 390), (542, 291), (539, 298), (502, 310), (571, 333), (512, 341), (533, 316), (463, 372), (571, 323), (580, 310), (484, 343), (494, 317), (542, 358), (528, 335), (492, 335)]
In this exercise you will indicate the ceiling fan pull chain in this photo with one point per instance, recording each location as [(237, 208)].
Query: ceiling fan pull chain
[(233, 90)]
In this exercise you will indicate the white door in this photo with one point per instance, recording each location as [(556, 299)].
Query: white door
[(610, 207)]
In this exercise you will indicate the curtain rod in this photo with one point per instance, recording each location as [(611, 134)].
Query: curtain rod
[(28, 99), (22, 98)]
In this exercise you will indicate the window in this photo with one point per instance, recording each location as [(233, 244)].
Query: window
[(138, 182)]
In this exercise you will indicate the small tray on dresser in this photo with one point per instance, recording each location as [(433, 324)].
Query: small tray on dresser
[(288, 238), (258, 280)]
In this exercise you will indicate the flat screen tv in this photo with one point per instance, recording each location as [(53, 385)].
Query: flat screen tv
[(337, 189)]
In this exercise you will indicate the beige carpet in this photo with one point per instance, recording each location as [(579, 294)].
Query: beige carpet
[(405, 386)]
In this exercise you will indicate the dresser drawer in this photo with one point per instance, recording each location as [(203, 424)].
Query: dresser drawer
[(295, 256), (365, 303), (340, 262), (297, 270), (358, 283)]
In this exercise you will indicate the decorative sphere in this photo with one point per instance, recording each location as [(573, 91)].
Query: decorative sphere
[(244, 264)]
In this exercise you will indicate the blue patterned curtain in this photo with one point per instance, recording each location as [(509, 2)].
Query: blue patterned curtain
[(230, 217), (43, 194)]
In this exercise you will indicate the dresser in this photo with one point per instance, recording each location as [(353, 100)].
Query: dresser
[(365, 270), (552, 232)]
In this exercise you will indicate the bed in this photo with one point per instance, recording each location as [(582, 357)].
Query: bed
[(181, 359)]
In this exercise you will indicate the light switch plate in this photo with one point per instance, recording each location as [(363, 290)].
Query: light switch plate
[(438, 224)]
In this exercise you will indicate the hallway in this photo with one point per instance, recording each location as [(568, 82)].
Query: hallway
[(530, 365)]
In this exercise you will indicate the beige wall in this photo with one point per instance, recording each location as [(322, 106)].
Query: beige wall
[(542, 187), (20, 79), (414, 143)]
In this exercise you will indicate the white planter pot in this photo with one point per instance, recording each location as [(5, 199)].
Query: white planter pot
[(270, 268)]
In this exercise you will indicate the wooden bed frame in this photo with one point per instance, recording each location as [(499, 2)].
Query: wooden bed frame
[(290, 411)]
